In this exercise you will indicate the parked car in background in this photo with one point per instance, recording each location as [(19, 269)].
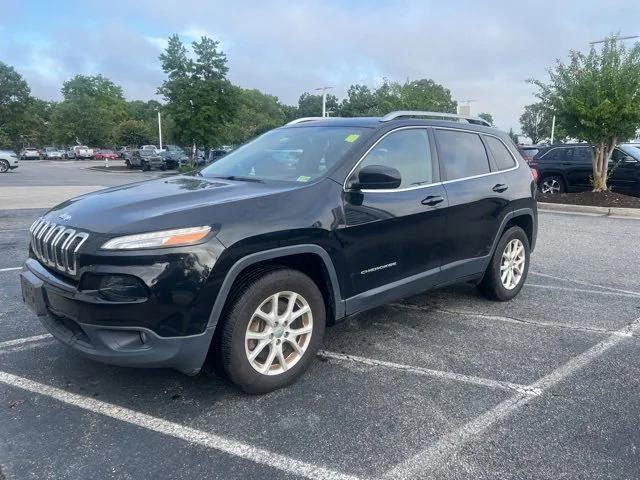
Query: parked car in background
[(50, 153), (529, 151), (69, 154), (174, 156), (8, 160), (216, 154), (122, 151), (568, 167), (105, 155), (153, 148), (30, 154), (83, 152), (145, 160)]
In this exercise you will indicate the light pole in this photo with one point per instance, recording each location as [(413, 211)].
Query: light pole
[(628, 37), (324, 99), (160, 129)]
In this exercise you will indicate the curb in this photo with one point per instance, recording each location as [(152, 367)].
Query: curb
[(604, 211)]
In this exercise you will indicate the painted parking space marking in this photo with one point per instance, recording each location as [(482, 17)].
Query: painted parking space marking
[(484, 382), (441, 451), (583, 290), (588, 284), (506, 319), (25, 340), (10, 269), (176, 430)]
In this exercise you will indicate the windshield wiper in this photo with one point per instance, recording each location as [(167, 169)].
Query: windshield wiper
[(241, 179)]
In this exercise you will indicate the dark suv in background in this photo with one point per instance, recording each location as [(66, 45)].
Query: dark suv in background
[(569, 168), (250, 258)]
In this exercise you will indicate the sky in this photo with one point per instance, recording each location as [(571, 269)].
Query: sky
[(481, 50)]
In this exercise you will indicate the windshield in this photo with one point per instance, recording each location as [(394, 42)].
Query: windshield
[(631, 150), (299, 154)]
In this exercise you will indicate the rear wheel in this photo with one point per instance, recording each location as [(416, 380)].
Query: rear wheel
[(552, 184), (509, 266), (272, 331), (4, 166)]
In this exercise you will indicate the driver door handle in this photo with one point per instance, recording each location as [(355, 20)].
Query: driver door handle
[(432, 200), (501, 187)]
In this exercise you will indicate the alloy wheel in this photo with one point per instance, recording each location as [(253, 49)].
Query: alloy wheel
[(278, 333), (4, 167), (550, 185), (512, 264)]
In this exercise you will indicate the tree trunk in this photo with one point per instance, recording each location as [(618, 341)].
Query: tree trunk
[(602, 153)]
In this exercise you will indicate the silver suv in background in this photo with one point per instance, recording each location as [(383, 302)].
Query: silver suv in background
[(8, 161), (30, 154), (51, 152)]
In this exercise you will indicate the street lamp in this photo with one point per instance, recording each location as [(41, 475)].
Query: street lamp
[(160, 129), (324, 99), (628, 37)]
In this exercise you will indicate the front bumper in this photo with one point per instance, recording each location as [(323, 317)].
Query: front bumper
[(133, 346)]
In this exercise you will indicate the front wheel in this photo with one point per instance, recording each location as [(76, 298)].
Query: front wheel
[(4, 166), (272, 331), (509, 266)]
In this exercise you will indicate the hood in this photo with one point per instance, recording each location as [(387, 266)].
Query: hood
[(175, 202)]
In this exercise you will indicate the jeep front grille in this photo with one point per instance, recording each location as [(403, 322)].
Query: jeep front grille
[(56, 246)]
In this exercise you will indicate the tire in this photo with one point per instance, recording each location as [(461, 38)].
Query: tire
[(241, 320), (4, 166), (146, 167), (128, 164), (492, 285), (552, 184)]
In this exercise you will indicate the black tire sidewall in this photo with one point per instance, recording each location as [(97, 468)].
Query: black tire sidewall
[(493, 283), (234, 360), (4, 166)]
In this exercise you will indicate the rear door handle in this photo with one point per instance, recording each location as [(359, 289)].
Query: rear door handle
[(432, 200), (501, 187)]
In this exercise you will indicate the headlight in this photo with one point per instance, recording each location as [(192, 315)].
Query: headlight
[(165, 238)]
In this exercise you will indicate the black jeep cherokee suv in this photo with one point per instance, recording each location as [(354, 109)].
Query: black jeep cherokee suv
[(252, 256)]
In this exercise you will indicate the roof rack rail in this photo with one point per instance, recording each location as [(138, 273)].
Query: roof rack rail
[(305, 119), (417, 113)]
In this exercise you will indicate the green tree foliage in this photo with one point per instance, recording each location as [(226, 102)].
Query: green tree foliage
[(15, 97), (596, 97), (535, 122), (200, 99), (256, 113), (310, 105), (90, 111), (486, 116), (134, 133), (421, 94)]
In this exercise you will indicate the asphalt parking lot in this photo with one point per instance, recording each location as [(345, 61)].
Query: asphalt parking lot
[(443, 385)]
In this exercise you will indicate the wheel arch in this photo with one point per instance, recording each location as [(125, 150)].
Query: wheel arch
[(311, 259)]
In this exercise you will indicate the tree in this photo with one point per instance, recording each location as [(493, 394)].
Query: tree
[(134, 133), (486, 116), (421, 94), (535, 122), (15, 97), (90, 111), (596, 97), (514, 136), (310, 105), (256, 113), (200, 99)]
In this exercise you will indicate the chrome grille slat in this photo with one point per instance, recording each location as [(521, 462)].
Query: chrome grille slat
[(57, 246)]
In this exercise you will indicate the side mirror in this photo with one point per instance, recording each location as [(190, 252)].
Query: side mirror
[(377, 177)]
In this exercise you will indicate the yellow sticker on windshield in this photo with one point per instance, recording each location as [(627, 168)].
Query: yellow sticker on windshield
[(303, 178), (352, 137)]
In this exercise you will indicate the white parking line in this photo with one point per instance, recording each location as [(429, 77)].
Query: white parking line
[(11, 269), (484, 382), (583, 290), (514, 320), (579, 282), (438, 453), (176, 430), (14, 230), (21, 341)]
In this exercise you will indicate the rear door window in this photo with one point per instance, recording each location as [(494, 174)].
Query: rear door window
[(582, 155), (462, 154), (501, 155)]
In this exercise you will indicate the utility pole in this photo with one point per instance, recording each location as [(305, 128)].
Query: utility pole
[(553, 128), (628, 37), (160, 129), (324, 99)]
